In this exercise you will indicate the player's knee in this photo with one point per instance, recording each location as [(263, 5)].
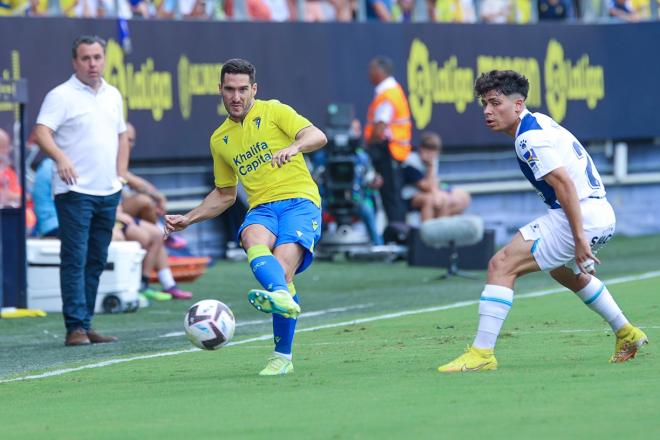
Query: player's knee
[(424, 200), (459, 201), (499, 264), (439, 200), (254, 235), (464, 200), (156, 238), (575, 282), (144, 200)]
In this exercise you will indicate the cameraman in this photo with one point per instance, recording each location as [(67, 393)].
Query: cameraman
[(364, 181)]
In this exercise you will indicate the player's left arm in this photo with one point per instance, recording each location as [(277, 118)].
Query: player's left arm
[(124, 148), (307, 140), (567, 196), (122, 155)]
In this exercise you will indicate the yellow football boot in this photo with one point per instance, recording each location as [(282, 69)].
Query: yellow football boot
[(279, 301), (277, 366), (474, 359), (629, 339)]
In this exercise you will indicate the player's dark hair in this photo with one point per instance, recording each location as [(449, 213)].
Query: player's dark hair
[(86, 39), (238, 66), (385, 64), (506, 82), (430, 141)]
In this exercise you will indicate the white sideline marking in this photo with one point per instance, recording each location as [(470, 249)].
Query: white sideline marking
[(268, 321), (456, 305)]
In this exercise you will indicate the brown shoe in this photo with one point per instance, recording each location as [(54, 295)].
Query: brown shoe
[(77, 337), (96, 338)]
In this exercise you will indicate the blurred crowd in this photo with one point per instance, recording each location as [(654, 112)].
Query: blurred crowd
[(445, 11)]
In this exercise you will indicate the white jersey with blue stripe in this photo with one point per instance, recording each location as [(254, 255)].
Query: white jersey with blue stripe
[(542, 145)]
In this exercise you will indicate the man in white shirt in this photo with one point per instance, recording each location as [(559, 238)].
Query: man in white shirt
[(81, 127), (562, 242)]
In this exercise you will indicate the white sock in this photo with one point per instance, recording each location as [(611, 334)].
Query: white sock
[(494, 306), (286, 356), (166, 278), (596, 296)]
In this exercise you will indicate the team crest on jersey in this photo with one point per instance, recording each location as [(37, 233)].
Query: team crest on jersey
[(226, 138), (531, 158), (523, 144), (315, 225), (257, 121)]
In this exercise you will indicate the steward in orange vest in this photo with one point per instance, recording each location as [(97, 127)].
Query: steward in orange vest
[(399, 128), (387, 135)]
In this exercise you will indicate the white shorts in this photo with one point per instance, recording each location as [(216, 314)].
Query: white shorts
[(553, 240)]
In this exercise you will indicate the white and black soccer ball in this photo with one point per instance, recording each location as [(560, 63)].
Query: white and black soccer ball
[(209, 324)]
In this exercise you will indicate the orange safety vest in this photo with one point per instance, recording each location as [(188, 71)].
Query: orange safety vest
[(400, 128)]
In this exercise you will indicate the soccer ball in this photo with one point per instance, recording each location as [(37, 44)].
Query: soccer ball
[(209, 324)]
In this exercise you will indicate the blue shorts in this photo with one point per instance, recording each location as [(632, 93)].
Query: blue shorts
[(291, 221)]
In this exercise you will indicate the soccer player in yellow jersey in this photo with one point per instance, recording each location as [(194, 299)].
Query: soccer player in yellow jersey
[(260, 144)]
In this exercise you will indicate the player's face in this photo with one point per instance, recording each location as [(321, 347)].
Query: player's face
[(237, 94), (89, 63), (501, 111)]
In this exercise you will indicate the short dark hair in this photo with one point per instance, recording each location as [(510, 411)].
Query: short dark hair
[(87, 39), (430, 141), (238, 66), (506, 82), (384, 63)]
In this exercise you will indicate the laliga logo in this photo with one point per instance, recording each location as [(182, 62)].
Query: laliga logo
[(419, 84), (142, 87), (565, 81), (431, 83)]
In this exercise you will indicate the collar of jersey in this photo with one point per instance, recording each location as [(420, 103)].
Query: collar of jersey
[(256, 102), (81, 85), (521, 116)]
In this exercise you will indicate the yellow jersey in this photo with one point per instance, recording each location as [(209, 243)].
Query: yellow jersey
[(243, 151)]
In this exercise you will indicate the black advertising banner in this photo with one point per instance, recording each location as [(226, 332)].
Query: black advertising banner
[(600, 81)]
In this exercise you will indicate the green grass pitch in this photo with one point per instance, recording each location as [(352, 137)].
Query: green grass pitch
[(370, 380)]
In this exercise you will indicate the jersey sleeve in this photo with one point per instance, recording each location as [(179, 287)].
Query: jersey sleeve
[(536, 149), (53, 110), (223, 174), (288, 120)]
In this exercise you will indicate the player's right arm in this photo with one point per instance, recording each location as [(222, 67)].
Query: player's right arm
[(51, 115), (43, 136), (567, 196), (215, 203)]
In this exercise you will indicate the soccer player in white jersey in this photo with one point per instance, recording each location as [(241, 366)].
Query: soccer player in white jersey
[(563, 241)]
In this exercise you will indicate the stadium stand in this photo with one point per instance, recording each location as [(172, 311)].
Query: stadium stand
[(457, 11)]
